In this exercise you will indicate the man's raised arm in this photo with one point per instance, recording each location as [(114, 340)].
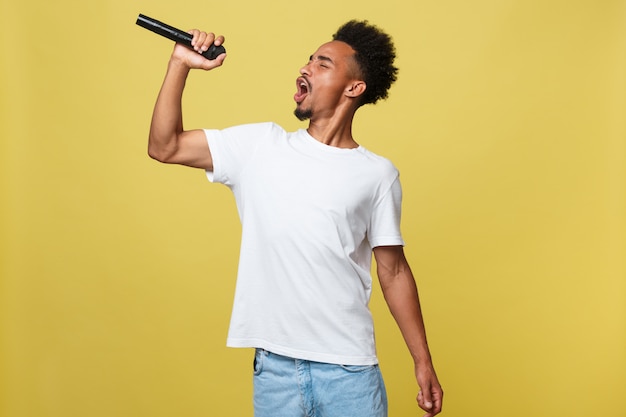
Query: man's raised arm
[(168, 141)]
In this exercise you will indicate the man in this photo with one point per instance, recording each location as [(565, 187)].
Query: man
[(314, 205)]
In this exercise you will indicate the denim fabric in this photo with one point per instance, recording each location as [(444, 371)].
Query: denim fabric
[(288, 387)]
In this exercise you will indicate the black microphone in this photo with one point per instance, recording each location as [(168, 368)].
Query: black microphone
[(176, 35)]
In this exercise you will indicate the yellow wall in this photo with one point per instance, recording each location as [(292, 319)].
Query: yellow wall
[(508, 124)]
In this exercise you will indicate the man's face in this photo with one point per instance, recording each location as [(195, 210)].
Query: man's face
[(324, 80)]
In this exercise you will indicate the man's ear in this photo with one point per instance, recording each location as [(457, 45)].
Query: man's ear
[(356, 88)]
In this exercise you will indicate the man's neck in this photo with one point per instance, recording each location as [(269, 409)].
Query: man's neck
[(333, 131)]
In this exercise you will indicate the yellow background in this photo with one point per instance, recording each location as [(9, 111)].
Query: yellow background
[(508, 124)]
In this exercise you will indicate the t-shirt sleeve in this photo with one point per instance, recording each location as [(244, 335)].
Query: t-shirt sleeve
[(385, 222), (231, 148)]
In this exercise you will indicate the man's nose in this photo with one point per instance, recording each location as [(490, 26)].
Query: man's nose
[(305, 70)]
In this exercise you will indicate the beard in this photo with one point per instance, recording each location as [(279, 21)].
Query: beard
[(303, 114)]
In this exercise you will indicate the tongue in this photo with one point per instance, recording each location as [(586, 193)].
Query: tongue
[(302, 91), (299, 96)]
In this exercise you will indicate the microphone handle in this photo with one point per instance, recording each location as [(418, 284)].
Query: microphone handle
[(176, 35)]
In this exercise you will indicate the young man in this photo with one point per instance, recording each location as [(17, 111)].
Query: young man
[(313, 206)]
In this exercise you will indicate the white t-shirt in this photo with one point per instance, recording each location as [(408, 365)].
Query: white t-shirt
[(311, 214)]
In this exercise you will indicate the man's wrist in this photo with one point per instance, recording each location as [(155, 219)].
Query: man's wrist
[(178, 65), (422, 359)]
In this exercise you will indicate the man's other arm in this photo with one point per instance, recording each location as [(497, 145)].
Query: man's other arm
[(400, 292)]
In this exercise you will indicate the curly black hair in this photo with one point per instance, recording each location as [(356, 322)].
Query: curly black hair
[(375, 54)]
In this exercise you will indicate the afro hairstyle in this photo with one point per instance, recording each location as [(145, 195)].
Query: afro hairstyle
[(374, 54)]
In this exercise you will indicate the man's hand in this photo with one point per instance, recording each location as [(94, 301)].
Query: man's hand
[(201, 42), (430, 397)]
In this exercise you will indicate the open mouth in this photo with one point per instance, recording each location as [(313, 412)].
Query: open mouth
[(303, 89)]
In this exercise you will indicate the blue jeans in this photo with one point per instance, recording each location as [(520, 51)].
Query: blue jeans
[(287, 387)]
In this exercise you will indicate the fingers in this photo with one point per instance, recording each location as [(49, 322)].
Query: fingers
[(425, 403), (202, 40), (200, 43), (438, 400), (430, 400), (430, 396)]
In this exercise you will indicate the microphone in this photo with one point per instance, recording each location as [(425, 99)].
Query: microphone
[(176, 35)]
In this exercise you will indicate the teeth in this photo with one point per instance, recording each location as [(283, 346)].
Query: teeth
[(303, 86)]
